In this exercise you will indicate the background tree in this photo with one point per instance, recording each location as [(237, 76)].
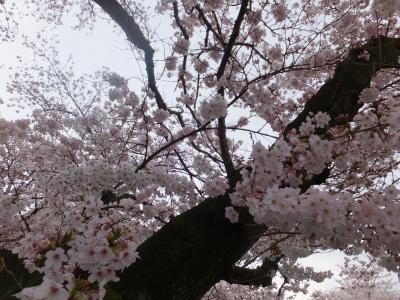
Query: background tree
[(118, 191), (362, 279)]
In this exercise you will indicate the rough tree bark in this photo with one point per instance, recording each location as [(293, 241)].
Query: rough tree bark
[(198, 248)]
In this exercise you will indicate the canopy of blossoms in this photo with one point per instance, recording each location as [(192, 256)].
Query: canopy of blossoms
[(278, 138)]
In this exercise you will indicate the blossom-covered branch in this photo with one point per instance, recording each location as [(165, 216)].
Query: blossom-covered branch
[(277, 136)]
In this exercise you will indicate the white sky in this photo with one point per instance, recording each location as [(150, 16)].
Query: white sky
[(91, 51)]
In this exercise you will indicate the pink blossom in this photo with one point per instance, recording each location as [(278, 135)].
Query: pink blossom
[(231, 214), (170, 63), (55, 258), (48, 290), (279, 12)]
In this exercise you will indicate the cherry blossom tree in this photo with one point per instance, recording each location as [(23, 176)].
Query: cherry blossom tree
[(362, 279), (277, 138)]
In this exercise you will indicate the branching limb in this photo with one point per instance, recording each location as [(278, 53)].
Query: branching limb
[(261, 276), (178, 21), (208, 24), (226, 157), (285, 281), (339, 96), (232, 39), (135, 35)]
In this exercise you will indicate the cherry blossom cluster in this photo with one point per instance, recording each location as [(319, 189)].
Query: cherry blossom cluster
[(214, 108), (321, 215), (202, 165), (97, 176), (291, 160), (386, 7), (89, 242), (215, 186), (296, 272), (89, 238), (8, 213)]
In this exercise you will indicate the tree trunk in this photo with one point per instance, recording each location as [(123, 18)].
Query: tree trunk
[(186, 257)]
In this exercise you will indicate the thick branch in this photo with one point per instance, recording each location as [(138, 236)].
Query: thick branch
[(339, 96), (186, 257), (261, 276), (232, 39), (225, 154), (226, 157), (178, 21), (208, 24), (137, 38)]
